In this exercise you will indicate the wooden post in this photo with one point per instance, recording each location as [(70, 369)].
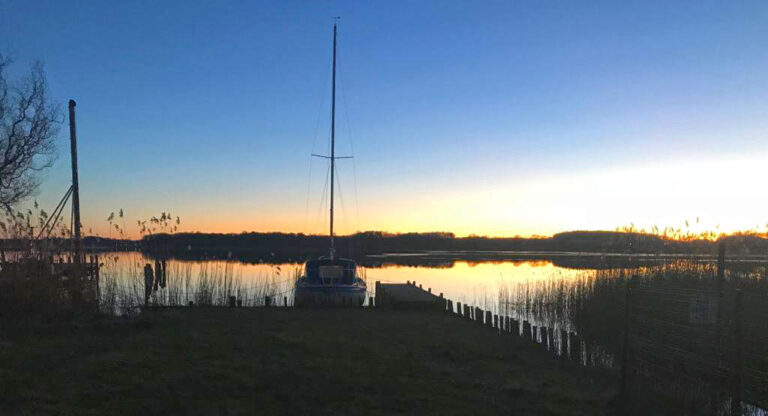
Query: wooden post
[(526, 330), (267, 301), (75, 181), (551, 340), (575, 348), (285, 301), (515, 327), (506, 324), (459, 311), (717, 377), (738, 362), (626, 347), (563, 344), (232, 302), (478, 315), (544, 337), (534, 333), (489, 319)]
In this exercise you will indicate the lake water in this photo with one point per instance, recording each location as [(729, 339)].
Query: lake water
[(473, 281)]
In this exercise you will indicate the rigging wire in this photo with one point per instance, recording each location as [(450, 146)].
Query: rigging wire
[(321, 209), (341, 199), (55, 214), (351, 147), (314, 141)]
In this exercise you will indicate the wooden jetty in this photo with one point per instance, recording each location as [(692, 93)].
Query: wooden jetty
[(407, 296)]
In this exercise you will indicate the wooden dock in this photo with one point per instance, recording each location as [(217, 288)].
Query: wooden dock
[(407, 296)]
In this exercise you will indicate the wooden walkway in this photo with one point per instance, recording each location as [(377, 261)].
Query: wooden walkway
[(407, 296)]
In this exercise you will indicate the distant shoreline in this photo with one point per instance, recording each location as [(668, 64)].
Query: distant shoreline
[(380, 244)]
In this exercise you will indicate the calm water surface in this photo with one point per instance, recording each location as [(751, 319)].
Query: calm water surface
[(467, 281)]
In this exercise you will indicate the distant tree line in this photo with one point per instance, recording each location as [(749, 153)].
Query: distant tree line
[(377, 242)]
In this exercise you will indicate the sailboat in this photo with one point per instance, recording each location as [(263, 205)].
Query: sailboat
[(330, 281)]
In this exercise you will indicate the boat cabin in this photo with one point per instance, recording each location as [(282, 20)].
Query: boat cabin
[(331, 272)]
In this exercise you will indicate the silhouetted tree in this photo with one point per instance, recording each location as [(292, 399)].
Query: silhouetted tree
[(29, 123)]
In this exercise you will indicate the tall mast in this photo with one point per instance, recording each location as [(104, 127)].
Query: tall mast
[(333, 133)]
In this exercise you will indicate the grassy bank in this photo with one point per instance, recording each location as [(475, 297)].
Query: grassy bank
[(285, 361)]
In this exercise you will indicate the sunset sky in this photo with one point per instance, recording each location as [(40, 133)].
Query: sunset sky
[(493, 118)]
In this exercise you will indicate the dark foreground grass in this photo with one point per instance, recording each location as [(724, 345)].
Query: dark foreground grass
[(285, 361)]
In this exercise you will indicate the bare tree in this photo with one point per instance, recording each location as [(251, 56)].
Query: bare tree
[(29, 123)]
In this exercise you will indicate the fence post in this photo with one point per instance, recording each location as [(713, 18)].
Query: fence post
[(736, 383), (459, 311), (625, 350), (526, 330), (544, 337), (489, 319), (551, 339), (267, 301), (717, 379), (563, 345), (575, 348)]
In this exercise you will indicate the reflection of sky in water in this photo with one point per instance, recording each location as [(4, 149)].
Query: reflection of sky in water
[(476, 283)]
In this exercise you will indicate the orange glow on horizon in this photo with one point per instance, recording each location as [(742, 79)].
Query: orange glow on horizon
[(691, 197)]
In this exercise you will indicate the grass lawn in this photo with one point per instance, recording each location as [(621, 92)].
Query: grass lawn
[(285, 361)]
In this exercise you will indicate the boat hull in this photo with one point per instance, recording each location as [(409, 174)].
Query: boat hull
[(329, 295)]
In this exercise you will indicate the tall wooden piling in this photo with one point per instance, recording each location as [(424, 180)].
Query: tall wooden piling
[(515, 329), (489, 319), (75, 183), (544, 337), (459, 311)]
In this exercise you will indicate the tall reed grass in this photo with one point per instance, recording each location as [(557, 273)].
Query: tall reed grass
[(202, 283)]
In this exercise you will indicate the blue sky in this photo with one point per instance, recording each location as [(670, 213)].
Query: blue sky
[(496, 118)]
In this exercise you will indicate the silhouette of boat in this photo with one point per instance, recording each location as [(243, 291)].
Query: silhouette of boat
[(330, 281)]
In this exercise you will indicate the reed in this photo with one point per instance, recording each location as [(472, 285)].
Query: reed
[(203, 283)]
